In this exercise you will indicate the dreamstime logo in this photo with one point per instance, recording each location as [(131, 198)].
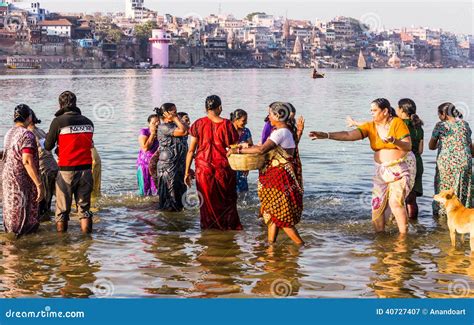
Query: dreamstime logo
[(103, 288), (370, 22), (25, 278), (24, 200), (283, 110), (13, 23), (459, 288), (281, 288), (463, 108), (192, 199), (103, 111)]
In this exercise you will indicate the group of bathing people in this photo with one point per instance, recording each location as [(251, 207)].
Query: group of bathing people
[(166, 157)]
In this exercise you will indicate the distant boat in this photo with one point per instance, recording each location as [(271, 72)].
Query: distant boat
[(19, 62), (316, 74), (17, 66), (361, 64), (394, 61)]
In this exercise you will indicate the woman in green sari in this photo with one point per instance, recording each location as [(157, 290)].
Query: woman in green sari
[(407, 112), (452, 138)]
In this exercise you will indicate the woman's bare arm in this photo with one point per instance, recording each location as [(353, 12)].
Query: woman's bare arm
[(182, 129), (189, 160), (261, 150), (353, 135), (403, 144), (28, 162), (421, 147), (433, 145), (146, 142)]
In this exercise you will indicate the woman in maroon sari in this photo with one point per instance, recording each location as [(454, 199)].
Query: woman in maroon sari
[(215, 180), (22, 186)]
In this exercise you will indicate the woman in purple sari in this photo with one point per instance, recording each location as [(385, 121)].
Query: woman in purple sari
[(22, 186), (148, 145)]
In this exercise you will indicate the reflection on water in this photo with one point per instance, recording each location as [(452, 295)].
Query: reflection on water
[(136, 251)]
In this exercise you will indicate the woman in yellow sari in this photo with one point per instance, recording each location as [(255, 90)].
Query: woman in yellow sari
[(395, 164)]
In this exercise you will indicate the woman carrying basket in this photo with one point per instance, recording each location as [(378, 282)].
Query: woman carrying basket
[(280, 187)]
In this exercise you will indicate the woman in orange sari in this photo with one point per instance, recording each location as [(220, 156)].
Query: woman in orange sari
[(395, 164), (280, 187)]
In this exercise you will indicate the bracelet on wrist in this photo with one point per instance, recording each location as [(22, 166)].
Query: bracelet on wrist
[(329, 136)]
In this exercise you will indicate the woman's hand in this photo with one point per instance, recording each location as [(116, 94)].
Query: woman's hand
[(244, 145), (316, 135), (153, 130), (41, 192), (388, 140), (351, 123), (232, 151), (300, 124), (170, 115), (188, 180)]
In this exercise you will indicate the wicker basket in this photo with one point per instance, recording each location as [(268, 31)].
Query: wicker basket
[(245, 162)]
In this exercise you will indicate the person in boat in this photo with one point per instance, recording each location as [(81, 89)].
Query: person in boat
[(280, 188), (395, 163)]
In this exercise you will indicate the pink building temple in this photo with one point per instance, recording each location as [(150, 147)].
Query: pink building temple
[(159, 48)]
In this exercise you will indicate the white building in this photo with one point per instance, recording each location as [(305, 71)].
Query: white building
[(262, 20), (134, 9), (60, 27)]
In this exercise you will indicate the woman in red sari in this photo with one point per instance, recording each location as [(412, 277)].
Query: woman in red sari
[(215, 180), (280, 183)]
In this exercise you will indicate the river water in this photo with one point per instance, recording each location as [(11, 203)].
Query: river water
[(136, 251)]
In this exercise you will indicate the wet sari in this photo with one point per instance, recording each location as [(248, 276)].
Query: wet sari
[(146, 185), (215, 180), (280, 189), (453, 163), (170, 169), (393, 180), (20, 209)]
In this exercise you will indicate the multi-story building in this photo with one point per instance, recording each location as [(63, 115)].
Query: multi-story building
[(135, 9), (303, 33), (60, 27), (34, 10), (131, 7), (263, 20)]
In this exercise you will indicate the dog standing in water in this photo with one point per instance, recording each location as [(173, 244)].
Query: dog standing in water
[(460, 219)]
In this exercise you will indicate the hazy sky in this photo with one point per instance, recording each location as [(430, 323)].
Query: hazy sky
[(455, 16)]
